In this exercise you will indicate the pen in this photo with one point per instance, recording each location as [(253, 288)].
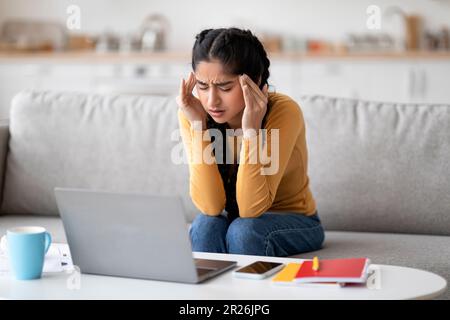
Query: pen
[(315, 264)]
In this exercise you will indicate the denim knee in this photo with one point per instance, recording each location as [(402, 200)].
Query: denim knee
[(244, 237), (273, 234), (207, 233)]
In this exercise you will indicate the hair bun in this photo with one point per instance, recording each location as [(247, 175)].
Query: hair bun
[(199, 37)]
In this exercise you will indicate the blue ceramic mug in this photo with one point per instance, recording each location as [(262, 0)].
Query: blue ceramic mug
[(27, 247)]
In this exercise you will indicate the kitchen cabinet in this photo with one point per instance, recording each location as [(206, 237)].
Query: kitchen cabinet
[(282, 77), (14, 78), (322, 78), (378, 79), (155, 79), (132, 78), (17, 77), (387, 81), (431, 82)]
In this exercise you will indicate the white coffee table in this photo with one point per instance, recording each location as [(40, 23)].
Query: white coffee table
[(395, 283)]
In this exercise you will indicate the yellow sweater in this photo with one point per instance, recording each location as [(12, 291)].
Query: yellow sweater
[(283, 190)]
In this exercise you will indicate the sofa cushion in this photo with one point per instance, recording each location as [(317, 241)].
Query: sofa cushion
[(430, 253), (379, 167), (111, 143)]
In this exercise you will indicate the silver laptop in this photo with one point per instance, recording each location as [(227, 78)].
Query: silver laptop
[(132, 235)]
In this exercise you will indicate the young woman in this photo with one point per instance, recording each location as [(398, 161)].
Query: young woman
[(245, 210)]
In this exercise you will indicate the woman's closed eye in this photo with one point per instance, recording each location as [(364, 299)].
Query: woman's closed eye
[(221, 88)]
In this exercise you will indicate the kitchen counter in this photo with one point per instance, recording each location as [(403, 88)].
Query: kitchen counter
[(410, 77), (118, 57), (94, 57)]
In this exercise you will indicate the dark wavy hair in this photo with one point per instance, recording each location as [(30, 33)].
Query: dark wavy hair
[(239, 52)]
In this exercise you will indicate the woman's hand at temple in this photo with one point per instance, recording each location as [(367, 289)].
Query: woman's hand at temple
[(255, 106), (190, 105)]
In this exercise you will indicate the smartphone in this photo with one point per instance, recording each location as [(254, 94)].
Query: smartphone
[(258, 270)]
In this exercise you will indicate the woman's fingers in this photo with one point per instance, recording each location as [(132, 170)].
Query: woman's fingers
[(186, 88), (260, 101), (182, 89), (246, 94), (255, 88), (192, 83), (250, 100), (188, 84)]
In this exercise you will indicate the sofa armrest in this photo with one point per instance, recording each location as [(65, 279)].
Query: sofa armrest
[(4, 139)]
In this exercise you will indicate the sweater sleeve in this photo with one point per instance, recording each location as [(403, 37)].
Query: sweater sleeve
[(205, 183), (258, 181)]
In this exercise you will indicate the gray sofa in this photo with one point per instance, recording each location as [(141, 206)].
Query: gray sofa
[(379, 171)]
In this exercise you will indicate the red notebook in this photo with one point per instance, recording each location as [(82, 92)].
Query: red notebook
[(354, 270)]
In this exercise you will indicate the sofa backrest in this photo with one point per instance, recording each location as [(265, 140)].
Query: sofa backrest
[(114, 143), (379, 167)]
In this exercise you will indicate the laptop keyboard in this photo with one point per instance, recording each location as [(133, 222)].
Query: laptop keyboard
[(205, 266), (203, 271)]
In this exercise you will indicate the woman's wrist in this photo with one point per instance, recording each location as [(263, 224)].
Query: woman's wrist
[(198, 125), (249, 133)]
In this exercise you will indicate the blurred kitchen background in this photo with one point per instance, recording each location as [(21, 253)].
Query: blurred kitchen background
[(327, 47)]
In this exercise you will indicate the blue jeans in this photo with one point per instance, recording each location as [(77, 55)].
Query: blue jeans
[(271, 234)]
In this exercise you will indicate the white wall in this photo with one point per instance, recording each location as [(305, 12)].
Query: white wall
[(328, 19)]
